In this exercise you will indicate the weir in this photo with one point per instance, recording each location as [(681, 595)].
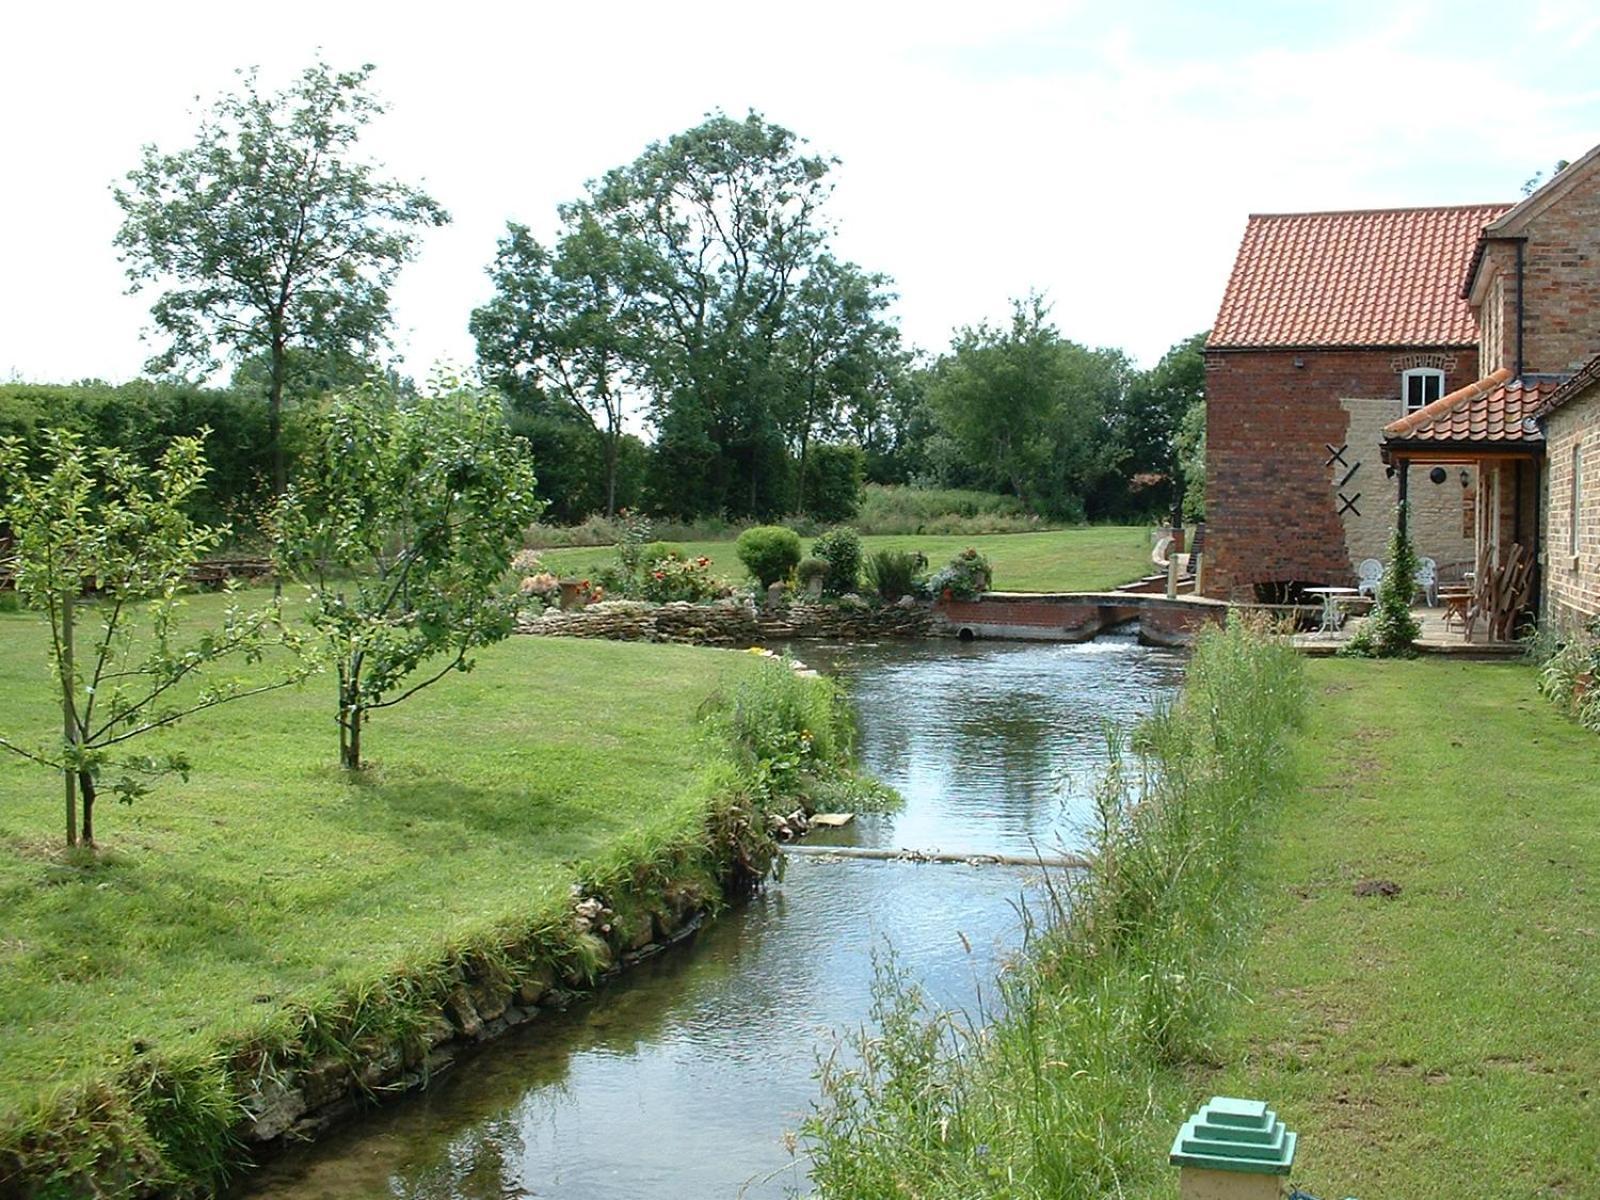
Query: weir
[(1077, 616)]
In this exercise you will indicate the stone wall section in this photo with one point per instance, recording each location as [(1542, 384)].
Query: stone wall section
[(1572, 581), (1273, 496), (1441, 513), (731, 623)]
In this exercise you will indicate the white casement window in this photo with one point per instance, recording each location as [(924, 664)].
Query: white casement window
[(1421, 386), (1577, 501)]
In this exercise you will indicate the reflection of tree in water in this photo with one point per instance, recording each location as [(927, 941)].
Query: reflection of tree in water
[(481, 1163)]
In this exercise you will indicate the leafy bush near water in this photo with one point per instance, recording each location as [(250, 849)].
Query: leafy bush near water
[(769, 552), (841, 549), (1060, 1096)]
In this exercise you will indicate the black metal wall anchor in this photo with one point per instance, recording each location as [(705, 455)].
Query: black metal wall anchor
[(1336, 455), (1348, 504)]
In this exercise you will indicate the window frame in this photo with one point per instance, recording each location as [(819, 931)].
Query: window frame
[(1424, 374), (1575, 509)]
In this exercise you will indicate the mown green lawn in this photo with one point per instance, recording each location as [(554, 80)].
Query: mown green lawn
[(1443, 1042), (1088, 559), (269, 876)]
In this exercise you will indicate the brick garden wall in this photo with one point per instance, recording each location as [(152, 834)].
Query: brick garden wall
[(1271, 497)]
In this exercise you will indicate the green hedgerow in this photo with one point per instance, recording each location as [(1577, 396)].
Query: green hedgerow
[(841, 548)]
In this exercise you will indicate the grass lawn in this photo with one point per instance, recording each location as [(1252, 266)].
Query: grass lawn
[(1088, 559), (268, 876), (1442, 1042)]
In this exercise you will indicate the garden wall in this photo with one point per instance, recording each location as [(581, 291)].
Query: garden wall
[(731, 623)]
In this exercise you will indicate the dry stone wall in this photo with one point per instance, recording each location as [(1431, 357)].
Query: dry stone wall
[(731, 623)]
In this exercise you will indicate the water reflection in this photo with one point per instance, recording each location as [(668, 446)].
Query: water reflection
[(685, 1076)]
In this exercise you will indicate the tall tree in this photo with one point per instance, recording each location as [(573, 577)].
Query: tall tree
[(1147, 420), (269, 234), (1027, 409), (717, 226), (838, 350), (403, 520), (558, 325)]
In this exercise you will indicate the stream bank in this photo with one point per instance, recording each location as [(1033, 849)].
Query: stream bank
[(690, 1073)]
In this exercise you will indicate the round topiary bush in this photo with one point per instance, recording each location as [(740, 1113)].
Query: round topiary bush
[(768, 552)]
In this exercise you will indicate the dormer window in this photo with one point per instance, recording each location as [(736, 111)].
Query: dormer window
[(1421, 387)]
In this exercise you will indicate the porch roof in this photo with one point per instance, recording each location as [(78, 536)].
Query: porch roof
[(1492, 415)]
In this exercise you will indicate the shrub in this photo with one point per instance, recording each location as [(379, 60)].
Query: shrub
[(656, 551), (1390, 628), (834, 475), (768, 552), (811, 569), (967, 577), (840, 549), (900, 509), (896, 573), (672, 577)]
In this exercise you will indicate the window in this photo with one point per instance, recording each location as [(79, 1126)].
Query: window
[(1577, 500), (1421, 387)]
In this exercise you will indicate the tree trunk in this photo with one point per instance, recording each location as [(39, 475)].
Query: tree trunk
[(349, 724), (86, 787), (69, 716), (611, 473), (280, 469)]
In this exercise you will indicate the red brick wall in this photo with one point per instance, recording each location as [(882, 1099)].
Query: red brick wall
[(1271, 512), (1561, 286)]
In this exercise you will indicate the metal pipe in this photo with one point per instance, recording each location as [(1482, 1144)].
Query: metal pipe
[(1521, 244)]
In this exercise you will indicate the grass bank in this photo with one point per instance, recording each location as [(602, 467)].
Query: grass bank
[(1086, 559), (1070, 1087), (271, 911), (1442, 1040)]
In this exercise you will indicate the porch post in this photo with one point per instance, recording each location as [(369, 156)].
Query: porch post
[(1404, 469)]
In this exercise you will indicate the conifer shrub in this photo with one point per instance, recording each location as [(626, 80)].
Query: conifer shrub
[(768, 552)]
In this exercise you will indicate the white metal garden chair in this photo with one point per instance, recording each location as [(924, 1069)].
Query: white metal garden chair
[(1369, 574), (1428, 581)]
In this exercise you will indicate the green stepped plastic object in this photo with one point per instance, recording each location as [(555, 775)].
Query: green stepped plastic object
[(1235, 1135)]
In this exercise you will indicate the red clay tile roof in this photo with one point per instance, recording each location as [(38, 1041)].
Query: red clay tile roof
[(1382, 277), (1493, 409), (1585, 378)]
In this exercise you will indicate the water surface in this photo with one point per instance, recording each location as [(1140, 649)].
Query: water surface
[(684, 1078)]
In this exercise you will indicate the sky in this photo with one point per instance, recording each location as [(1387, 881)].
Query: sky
[(1104, 154)]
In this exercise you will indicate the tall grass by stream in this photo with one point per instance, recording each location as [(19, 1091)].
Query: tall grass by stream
[(1073, 1088)]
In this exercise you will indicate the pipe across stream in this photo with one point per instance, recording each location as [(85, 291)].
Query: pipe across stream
[(682, 1078)]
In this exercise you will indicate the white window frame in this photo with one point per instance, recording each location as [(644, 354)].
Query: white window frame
[(1575, 512), (1423, 373)]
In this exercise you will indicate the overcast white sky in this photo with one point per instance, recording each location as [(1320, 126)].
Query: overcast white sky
[(1106, 154)]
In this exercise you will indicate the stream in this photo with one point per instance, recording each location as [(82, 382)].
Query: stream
[(683, 1077)]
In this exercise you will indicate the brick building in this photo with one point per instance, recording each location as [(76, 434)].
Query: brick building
[(1571, 420), (1532, 423), (1333, 325)]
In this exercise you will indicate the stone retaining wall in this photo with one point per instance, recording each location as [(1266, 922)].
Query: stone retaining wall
[(732, 623)]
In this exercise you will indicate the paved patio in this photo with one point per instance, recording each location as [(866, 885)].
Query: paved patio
[(1437, 638)]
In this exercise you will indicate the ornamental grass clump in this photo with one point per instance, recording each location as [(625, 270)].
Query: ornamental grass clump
[(1057, 1092), (1390, 628), (896, 573)]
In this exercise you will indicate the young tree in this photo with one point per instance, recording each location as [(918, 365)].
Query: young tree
[(403, 520), (558, 323), (100, 520), (269, 234)]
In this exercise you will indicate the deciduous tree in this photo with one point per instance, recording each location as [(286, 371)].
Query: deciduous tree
[(403, 521), (269, 233), (101, 521)]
